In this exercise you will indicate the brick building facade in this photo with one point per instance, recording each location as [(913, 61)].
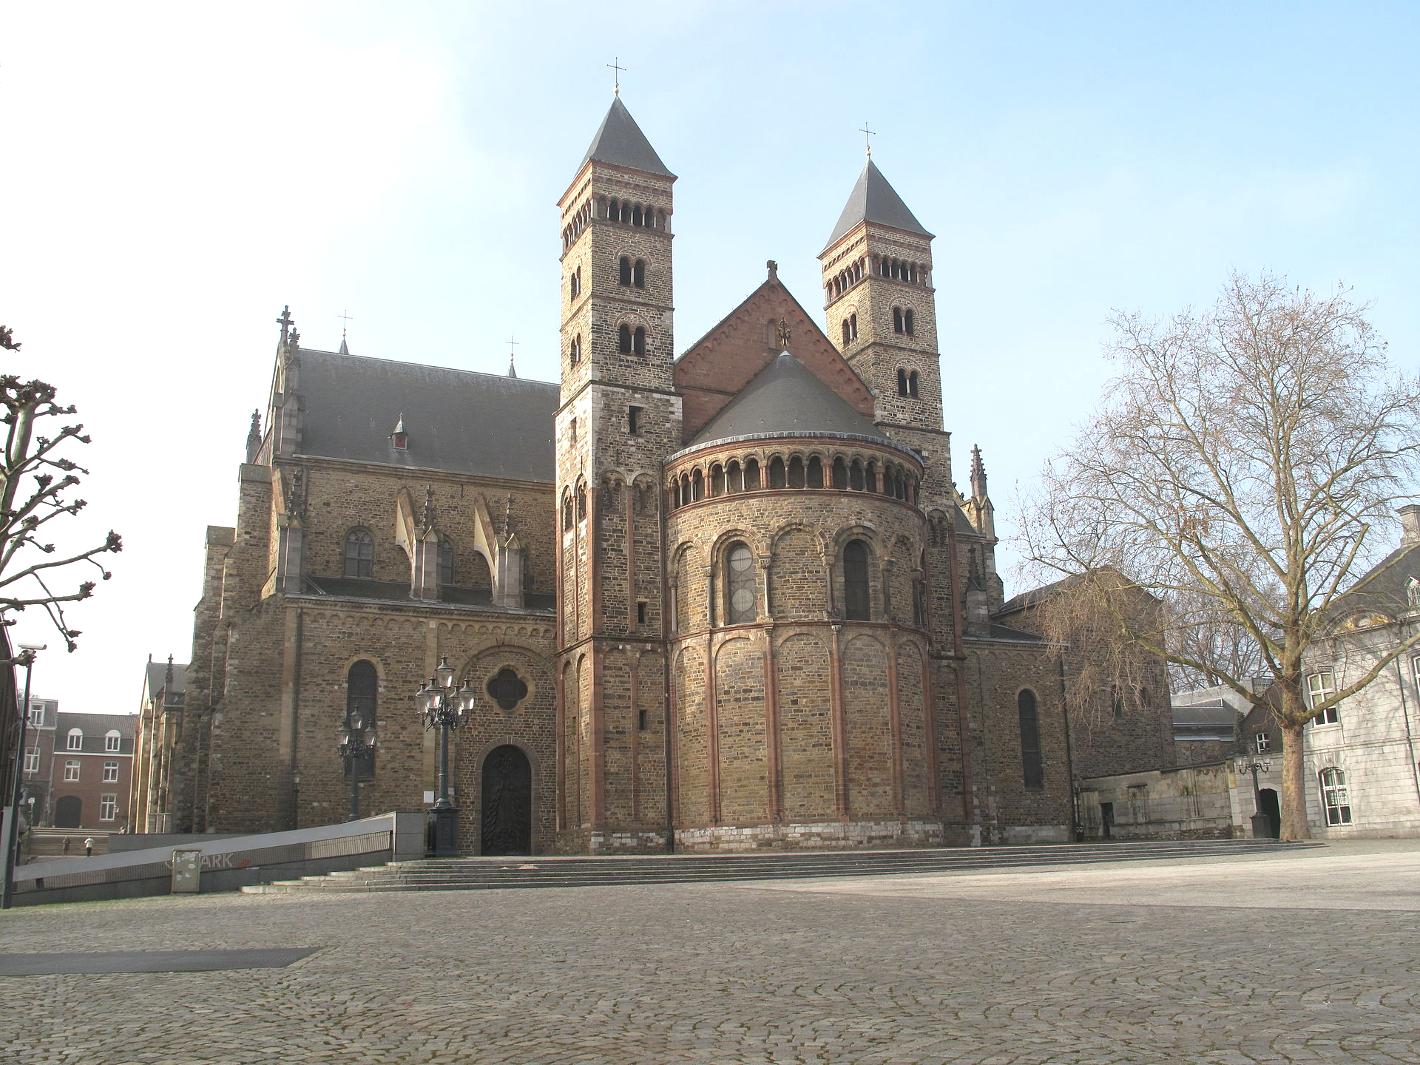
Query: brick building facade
[(89, 771), (724, 600)]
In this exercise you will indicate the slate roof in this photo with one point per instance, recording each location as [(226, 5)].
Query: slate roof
[(488, 425), (158, 676), (786, 397), (874, 200), (1212, 714), (1383, 589), (619, 141)]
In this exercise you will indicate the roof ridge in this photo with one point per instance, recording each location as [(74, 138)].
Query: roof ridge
[(432, 366)]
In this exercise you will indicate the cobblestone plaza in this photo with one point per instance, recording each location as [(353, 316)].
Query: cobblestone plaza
[(1305, 955)]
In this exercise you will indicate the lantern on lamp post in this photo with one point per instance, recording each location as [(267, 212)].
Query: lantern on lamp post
[(444, 707), (357, 743)]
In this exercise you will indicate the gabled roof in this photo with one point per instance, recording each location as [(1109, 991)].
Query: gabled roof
[(489, 425), (786, 397), (619, 141), (1383, 589), (874, 200)]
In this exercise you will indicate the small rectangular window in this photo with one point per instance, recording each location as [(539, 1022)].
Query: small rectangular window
[(1263, 744), (574, 430), (110, 772), (71, 770), (1320, 687), (36, 714), (641, 612), (633, 420), (108, 807), (31, 760)]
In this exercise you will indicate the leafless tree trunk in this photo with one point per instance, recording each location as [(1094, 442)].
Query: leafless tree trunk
[(1240, 466)]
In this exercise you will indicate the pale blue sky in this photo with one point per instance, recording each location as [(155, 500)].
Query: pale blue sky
[(175, 173)]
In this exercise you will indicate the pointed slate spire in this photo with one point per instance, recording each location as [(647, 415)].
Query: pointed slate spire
[(874, 200), (344, 347), (620, 142)]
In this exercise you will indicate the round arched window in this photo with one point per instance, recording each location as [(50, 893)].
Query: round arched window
[(740, 584)]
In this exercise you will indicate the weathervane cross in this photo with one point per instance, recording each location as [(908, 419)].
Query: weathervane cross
[(345, 314), (616, 69), (867, 132)]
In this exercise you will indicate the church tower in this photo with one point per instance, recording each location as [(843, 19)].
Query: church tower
[(619, 418)]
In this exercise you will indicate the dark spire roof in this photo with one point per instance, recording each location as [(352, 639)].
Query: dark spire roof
[(344, 347), (786, 397), (620, 141), (874, 200)]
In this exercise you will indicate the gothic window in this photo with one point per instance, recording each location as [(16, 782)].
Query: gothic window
[(638, 341), (567, 512), (897, 319), (362, 686), (1335, 796), (1032, 764), (574, 350), (907, 322), (507, 689), (901, 381), (776, 472), (623, 276), (623, 340), (815, 472), (751, 474), (796, 472), (359, 553), (912, 384), (739, 585), (581, 502), (857, 604), (446, 563), (638, 273)]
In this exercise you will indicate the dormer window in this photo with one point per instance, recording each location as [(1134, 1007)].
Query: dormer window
[(399, 439)]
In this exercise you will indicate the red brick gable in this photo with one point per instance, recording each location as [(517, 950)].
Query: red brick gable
[(718, 365)]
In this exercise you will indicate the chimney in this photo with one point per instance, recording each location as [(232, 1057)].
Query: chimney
[(1410, 524)]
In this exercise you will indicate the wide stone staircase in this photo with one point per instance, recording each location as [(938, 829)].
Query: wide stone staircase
[(483, 874)]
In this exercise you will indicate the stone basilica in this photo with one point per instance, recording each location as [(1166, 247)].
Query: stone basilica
[(728, 600)]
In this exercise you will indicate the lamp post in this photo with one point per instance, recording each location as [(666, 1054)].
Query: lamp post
[(357, 740), (1261, 827), (25, 658), (444, 707)]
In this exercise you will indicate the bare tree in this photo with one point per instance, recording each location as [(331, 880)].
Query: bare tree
[(1201, 630), (1239, 468), (36, 478)]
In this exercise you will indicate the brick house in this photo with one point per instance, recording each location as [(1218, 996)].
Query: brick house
[(90, 771), (725, 600)]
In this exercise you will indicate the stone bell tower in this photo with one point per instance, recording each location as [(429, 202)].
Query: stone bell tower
[(619, 418)]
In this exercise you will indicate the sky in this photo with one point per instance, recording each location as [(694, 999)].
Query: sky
[(171, 175)]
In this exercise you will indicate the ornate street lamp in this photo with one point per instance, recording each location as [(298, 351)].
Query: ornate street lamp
[(444, 707), (357, 743), (1261, 823)]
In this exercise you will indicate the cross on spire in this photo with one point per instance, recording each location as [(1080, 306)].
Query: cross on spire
[(616, 69), (348, 317), (867, 132)]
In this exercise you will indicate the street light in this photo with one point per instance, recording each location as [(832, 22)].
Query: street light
[(25, 658), (357, 740), (442, 706), (1261, 823)]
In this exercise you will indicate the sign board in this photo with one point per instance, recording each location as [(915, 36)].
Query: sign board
[(187, 871)]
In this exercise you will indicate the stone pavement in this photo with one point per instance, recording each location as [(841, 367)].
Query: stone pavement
[(1135, 962)]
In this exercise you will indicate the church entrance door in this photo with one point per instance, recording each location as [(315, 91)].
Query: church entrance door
[(69, 812), (507, 802)]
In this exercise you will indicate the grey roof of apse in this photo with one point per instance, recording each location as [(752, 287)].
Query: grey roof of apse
[(488, 425), (874, 200), (786, 397), (619, 141)]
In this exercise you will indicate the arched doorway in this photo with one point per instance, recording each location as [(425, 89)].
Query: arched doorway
[(1267, 798), (507, 802), (69, 812)]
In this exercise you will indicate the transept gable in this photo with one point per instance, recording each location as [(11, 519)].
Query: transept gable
[(717, 367)]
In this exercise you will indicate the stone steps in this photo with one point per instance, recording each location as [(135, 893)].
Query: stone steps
[(482, 874)]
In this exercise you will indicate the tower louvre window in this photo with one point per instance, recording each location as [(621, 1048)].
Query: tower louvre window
[(912, 383), (907, 326), (574, 283), (638, 341), (638, 273), (901, 381), (845, 331), (623, 271), (897, 320), (574, 350)]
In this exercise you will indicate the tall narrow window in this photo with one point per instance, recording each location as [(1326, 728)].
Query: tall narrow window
[(912, 384), (857, 604), (574, 283), (446, 563), (739, 585), (567, 513), (1335, 797), (638, 273), (362, 685), (901, 381), (845, 330), (1032, 764), (623, 272), (907, 322), (633, 420), (359, 553), (638, 341), (574, 350), (623, 340), (897, 319), (852, 327)]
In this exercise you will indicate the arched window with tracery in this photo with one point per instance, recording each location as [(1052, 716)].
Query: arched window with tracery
[(1032, 762), (740, 605), (857, 602), (362, 688), (359, 553)]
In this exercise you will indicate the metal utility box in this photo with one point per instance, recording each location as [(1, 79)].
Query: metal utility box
[(187, 871)]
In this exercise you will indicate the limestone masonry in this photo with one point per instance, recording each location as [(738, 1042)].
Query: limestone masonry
[(733, 599)]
